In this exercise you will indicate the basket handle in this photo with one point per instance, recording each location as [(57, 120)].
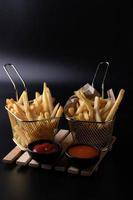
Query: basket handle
[(104, 77), (20, 77)]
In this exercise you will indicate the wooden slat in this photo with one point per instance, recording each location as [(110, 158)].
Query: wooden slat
[(67, 141), (46, 166), (24, 159), (85, 172), (12, 155), (73, 170), (34, 163), (61, 135), (64, 137)]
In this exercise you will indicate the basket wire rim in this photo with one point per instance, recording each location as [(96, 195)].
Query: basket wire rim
[(91, 122)]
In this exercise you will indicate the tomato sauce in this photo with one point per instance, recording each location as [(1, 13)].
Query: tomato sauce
[(45, 148), (83, 151)]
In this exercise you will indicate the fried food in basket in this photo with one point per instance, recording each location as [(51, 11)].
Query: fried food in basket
[(32, 120), (97, 109), (40, 108)]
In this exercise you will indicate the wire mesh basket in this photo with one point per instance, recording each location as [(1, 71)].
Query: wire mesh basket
[(94, 133), (25, 132), (97, 134)]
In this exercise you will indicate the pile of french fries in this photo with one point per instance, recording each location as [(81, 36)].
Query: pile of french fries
[(31, 120), (95, 109), (42, 107)]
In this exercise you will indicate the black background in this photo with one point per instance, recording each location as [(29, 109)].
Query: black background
[(62, 42)]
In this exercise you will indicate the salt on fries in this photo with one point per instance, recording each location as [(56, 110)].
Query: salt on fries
[(41, 112), (97, 109)]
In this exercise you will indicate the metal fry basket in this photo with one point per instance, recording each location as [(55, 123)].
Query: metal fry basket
[(97, 134), (25, 132)]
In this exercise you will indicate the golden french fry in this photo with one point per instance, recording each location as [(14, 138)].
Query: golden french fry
[(19, 112), (96, 108), (107, 106), (26, 106), (55, 110), (12, 110), (21, 106), (20, 101), (41, 116), (38, 98), (79, 117), (81, 96), (33, 111), (9, 103), (80, 108), (44, 98), (86, 115), (37, 95), (38, 106), (102, 102), (59, 112), (46, 115), (116, 105), (71, 111), (104, 115), (50, 100)]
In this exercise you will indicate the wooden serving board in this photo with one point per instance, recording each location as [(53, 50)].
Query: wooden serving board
[(21, 158)]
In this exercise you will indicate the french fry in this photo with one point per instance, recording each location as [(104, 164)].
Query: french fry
[(44, 98), (55, 110), (106, 107), (36, 106), (50, 100), (102, 102), (96, 108), (33, 111), (104, 115), (37, 95), (116, 105), (81, 96), (12, 110), (46, 115), (37, 112), (19, 112), (86, 115), (80, 117), (20, 101), (26, 106), (9, 103), (71, 111), (59, 112), (41, 116), (81, 108)]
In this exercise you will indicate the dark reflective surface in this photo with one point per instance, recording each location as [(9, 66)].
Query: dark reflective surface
[(112, 180), (62, 42)]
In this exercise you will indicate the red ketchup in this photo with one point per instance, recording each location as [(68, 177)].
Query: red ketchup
[(45, 148)]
